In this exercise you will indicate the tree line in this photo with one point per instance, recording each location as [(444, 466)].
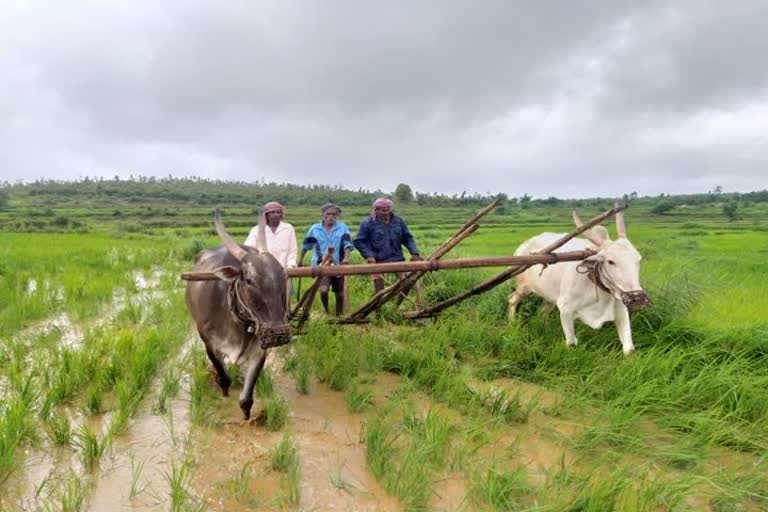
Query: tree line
[(202, 191)]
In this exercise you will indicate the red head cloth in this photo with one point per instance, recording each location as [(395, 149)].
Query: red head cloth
[(272, 206), (382, 202)]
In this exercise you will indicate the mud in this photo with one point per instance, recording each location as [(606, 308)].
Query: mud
[(333, 469)]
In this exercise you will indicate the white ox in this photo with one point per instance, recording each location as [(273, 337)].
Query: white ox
[(600, 289)]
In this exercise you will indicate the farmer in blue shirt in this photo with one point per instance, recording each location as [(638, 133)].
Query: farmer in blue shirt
[(333, 233), (381, 237)]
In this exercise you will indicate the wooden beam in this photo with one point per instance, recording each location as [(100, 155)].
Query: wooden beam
[(430, 265)]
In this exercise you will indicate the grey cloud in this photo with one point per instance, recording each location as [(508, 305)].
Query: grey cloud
[(446, 96)]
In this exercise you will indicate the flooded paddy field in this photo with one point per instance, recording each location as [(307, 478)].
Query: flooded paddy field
[(109, 402)]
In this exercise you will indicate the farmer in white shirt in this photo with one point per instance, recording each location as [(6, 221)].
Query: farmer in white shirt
[(281, 238)]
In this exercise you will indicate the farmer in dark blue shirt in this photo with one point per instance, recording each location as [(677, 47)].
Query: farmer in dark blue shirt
[(329, 233), (381, 237)]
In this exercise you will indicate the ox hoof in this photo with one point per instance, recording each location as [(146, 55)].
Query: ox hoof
[(224, 384), (571, 343), (245, 406), (258, 419), (628, 351)]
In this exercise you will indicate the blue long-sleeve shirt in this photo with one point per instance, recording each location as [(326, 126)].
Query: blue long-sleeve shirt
[(384, 241), (316, 238)]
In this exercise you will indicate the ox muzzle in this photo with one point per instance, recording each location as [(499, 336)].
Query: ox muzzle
[(635, 300), (274, 335)]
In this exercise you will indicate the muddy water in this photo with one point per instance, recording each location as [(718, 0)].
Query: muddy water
[(151, 441), (334, 474)]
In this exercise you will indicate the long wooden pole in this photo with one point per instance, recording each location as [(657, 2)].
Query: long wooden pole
[(512, 271), (426, 265)]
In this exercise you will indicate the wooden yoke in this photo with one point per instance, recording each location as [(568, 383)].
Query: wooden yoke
[(513, 270)]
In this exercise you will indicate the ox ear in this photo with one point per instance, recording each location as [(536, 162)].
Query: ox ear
[(227, 273)]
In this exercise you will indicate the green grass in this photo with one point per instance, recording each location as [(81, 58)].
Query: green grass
[(648, 431)]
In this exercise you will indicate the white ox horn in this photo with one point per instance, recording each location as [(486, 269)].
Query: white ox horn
[(621, 228), (597, 235), (233, 247)]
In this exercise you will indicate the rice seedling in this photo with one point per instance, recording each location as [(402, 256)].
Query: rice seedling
[(239, 485), (379, 442), (285, 459), (93, 399), (198, 390), (302, 378), (136, 488), (336, 478), (275, 412), (434, 438), (265, 386), (70, 497), (357, 398), (168, 389), (59, 428), (292, 483), (15, 427), (503, 490), (177, 478), (89, 446), (284, 455)]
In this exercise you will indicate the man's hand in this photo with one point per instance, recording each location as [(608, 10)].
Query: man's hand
[(371, 260), (416, 257), (345, 261)]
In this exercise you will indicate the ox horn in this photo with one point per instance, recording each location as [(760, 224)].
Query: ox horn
[(597, 235), (577, 220), (621, 228), (233, 247), (261, 240)]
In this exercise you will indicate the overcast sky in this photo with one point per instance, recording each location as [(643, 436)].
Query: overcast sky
[(572, 99)]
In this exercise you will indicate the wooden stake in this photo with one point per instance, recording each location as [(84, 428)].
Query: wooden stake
[(305, 304)]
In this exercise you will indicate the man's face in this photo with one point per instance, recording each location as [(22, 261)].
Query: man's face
[(273, 218), (382, 212), (329, 217)]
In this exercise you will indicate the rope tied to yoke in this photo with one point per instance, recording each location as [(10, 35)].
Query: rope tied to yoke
[(269, 336)]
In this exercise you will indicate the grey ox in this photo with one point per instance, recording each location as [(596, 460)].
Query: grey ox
[(602, 288), (241, 313)]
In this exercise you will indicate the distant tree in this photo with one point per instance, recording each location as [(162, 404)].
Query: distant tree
[(663, 207), (524, 201), (403, 194), (3, 199), (718, 189), (731, 210)]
